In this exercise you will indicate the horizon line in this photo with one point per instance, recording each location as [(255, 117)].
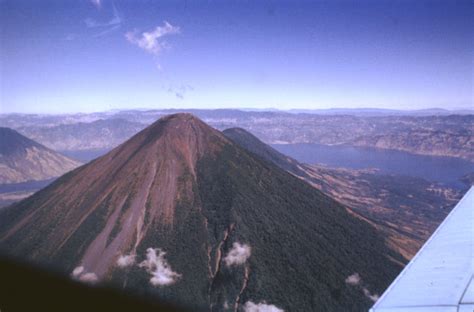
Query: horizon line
[(248, 109)]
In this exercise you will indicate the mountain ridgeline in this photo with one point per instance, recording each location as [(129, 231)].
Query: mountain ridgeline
[(22, 159), (428, 132), (182, 214)]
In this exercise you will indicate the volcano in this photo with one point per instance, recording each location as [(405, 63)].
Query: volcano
[(182, 214)]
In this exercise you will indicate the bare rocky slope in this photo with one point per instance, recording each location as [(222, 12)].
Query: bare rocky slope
[(181, 213), (22, 159)]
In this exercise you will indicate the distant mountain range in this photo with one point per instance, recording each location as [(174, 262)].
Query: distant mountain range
[(383, 112), (22, 159), (181, 213), (406, 209), (430, 132), (98, 134)]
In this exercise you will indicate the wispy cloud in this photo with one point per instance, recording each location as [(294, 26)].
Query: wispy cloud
[(105, 27), (97, 3), (238, 254), (152, 41), (180, 91), (107, 31), (115, 20)]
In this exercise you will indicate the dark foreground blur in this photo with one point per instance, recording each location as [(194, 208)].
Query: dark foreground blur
[(23, 288)]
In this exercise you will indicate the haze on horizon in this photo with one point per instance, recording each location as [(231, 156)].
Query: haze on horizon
[(99, 55)]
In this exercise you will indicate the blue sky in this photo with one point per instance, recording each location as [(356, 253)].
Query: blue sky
[(95, 55)]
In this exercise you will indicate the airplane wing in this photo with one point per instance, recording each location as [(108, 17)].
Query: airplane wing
[(440, 276)]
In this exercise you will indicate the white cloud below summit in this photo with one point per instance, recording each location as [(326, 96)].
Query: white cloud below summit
[(238, 254), (260, 307), (158, 267)]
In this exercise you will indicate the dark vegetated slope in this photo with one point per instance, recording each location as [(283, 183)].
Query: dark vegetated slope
[(304, 243)]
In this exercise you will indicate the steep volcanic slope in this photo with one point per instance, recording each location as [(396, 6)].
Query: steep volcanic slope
[(406, 209), (181, 213), (22, 159)]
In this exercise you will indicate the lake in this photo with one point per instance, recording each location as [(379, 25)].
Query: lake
[(25, 186), (447, 170), (85, 155)]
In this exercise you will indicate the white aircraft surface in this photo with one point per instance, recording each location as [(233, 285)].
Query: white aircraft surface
[(440, 276)]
